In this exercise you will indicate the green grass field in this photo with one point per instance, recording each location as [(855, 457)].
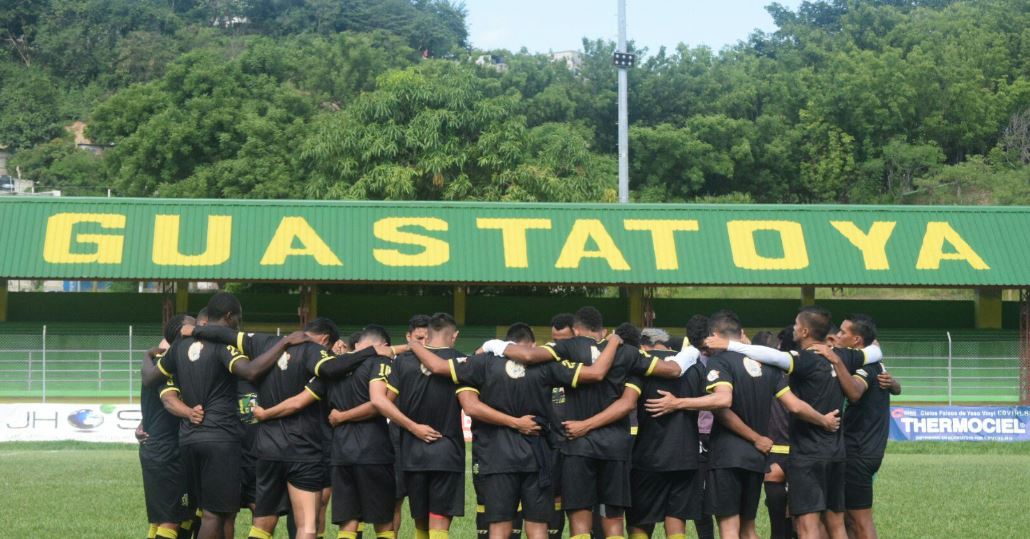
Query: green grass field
[(923, 490)]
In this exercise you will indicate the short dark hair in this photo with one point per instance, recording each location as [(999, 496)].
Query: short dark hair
[(442, 322), (765, 338), (817, 320), (562, 320), (724, 323), (418, 321), (375, 332), (324, 326), (629, 333), (589, 318), (352, 341), (222, 304), (786, 338), (202, 314), (864, 326), (520, 332), (173, 326), (697, 330)]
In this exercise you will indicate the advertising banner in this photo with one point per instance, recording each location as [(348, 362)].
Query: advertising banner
[(960, 423), (86, 423), (81, 422)]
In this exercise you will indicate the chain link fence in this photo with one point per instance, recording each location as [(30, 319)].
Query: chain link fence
[(66, 364)]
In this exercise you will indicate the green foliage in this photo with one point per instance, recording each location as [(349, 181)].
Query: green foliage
[(854, 102), (60, 165)]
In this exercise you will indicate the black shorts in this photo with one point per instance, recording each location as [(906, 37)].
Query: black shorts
[(858, 482), (657, 495), (815, 486), (363, 492), (213, 475), (272, 477), (777, 458), (248, 484), (395, 438), (164, 489), (501, 494), (440, 493), (587, 482), (733, 491), (327, 469)]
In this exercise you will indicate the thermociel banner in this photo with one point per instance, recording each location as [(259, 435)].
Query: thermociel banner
[(446, 242), (960, 423)]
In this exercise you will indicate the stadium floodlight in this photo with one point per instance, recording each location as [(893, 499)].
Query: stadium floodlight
[(624, 60)]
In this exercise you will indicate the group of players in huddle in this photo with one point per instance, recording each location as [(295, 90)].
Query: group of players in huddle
[(618, 431)]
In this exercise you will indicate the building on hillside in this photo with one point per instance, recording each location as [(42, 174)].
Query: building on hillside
[(572, 59), (78, 129), (492, 61)]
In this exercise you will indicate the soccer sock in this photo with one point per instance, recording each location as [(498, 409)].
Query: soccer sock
[(152, 531), (705, 527), (482, 526), (438, 534), (640, 535), (386, 535), (676, 536), (581, 536), (258, 533), (556, 526), (196, 523), (167, 533), (776, 501), (516, 525), (347, 535), (421, 534), (186, 526)]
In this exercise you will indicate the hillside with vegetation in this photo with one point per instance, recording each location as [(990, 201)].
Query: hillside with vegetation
[(886, 101)]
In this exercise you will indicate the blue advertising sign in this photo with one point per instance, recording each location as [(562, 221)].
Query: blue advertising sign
[(960, 423)]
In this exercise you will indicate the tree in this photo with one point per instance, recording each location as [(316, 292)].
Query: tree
[(29, 106)]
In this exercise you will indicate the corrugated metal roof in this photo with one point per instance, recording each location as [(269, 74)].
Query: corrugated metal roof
[(449, 242)]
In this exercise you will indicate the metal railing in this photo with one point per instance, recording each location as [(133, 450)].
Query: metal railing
[(66, 364)]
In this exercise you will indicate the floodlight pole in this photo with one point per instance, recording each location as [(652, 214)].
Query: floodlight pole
[(623, 111)]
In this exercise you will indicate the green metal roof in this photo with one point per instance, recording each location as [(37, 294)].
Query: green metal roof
[(449, 242)]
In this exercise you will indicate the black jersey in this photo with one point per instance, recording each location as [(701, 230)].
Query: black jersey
[(866, 423), (612, 441), (428, 400), (295, 438), (779, 424), (668, 442), (203, 371), (517, 390), (162, 428), (360, 442), (754, 387), (814, 380)]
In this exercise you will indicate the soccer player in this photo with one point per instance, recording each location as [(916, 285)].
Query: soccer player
[(743, 390), (513, 460), (418, 329), (164, 483), (561, 328), (780, 524), (211, 451), (432, 454), (821, 377), (362, 454), (665, 486), (866, 427), (595, 468)]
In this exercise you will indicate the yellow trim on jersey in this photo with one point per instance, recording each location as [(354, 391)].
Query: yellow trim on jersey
[(320, 362), (380, 379), (650, 369), (313, 394), (162, 369), (239, 342), (551, 350), (633, 431), (575, 376), (780, 449), (711, 387), (454, 373), (861, 379), (634, 387), (167, 389), (391, 388), (235, 359), (557, 506), (480, 508), (466, 388), (782, 392), (790, 369)]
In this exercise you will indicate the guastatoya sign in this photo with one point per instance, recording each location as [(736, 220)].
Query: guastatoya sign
[(302, 241)]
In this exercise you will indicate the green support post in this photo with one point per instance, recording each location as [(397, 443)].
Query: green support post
[(182, 297), (460, 296), (3, 300), (807, 296), (988, 308), (636, 306)]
